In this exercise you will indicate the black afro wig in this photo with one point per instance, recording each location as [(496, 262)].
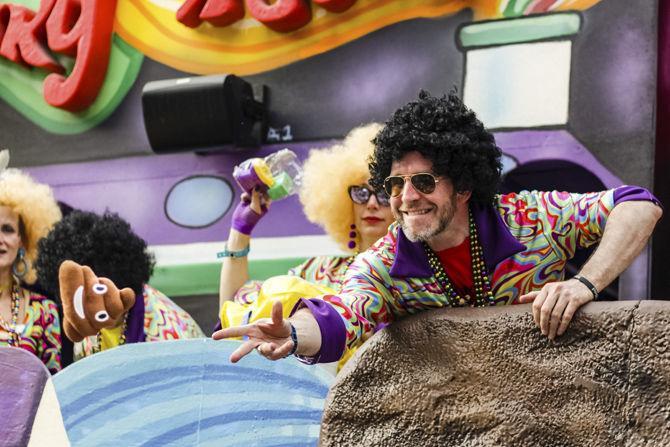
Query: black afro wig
[(105, 243), (448, 134)]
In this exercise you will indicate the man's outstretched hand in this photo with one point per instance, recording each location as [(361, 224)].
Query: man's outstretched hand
[(270, 336), (556, 304)]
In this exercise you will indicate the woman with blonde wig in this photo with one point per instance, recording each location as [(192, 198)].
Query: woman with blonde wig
[(27, 320), (335, 194)]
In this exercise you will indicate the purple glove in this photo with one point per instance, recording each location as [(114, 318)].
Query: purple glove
[(245, 218)]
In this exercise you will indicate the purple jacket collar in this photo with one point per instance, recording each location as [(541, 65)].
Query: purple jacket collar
[(497, 242), (135, 321)]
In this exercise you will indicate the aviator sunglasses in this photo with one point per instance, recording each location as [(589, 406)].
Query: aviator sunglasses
[(361, 195), (423, 182)]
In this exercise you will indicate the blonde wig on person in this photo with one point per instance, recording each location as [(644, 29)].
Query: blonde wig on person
[(37, 210), (328, 173)]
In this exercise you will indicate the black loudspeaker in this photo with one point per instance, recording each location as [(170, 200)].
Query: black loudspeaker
[(202, 113)]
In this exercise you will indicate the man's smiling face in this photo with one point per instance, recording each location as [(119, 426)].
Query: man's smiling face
[(422, 216)]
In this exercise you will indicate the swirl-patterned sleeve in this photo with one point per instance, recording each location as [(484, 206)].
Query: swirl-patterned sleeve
[(41, 331), (363, 300), (51, 337), (568, 221), (248, 293), (165, 320), (328, 271)]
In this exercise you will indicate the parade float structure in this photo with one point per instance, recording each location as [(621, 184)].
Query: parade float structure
[(574, 92)]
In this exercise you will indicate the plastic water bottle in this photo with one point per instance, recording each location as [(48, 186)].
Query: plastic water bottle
[(279, 174)]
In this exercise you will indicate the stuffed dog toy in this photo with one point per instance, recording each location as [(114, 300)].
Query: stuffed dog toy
[(90, 303)]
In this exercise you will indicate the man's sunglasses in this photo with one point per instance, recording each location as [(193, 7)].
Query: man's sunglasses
[(361, 195), (423, 182)]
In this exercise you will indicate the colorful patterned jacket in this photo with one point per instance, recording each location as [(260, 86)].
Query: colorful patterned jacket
[(40, 331), (153, 318), (527, 239)]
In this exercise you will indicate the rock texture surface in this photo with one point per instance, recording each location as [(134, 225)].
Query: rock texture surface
[(487, 377)]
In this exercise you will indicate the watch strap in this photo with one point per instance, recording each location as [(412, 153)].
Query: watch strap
[(233, 254)]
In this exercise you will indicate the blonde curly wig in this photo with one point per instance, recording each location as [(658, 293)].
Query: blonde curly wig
[(37, 209), (328, 173)]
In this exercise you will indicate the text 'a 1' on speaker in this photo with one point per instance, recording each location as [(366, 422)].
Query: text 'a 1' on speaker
[(202, 113)]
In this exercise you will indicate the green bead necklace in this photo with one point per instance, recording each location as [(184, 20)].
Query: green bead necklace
[(482, 287)]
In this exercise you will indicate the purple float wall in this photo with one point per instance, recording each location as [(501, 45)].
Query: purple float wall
[(136, 188)]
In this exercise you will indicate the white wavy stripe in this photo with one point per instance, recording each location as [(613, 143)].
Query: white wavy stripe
[(261, 248)]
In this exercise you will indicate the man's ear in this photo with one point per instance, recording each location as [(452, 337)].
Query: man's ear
[(463, 197)]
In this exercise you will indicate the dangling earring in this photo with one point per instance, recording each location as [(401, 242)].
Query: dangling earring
[(20, 261), (352, 236)]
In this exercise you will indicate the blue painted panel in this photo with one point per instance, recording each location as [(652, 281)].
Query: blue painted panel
[(187, 393)]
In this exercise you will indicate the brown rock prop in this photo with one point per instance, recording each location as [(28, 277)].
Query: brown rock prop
[(90, 303), (487, 377)]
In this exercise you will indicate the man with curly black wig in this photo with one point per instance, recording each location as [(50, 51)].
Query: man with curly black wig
[(457, 243), (109, 247)]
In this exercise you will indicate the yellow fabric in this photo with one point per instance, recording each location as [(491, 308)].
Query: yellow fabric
[(287, 289), (110, 337)]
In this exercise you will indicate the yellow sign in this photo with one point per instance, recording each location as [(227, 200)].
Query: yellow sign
[(247, 46)]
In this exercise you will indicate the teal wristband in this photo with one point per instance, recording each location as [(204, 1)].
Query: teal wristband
[(232, 254)]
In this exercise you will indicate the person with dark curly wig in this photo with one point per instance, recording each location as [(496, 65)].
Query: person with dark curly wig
[(108, 246), (457, 243)]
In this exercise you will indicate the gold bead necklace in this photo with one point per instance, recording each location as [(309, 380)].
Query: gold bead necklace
[(11, 328), (482, 287)]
